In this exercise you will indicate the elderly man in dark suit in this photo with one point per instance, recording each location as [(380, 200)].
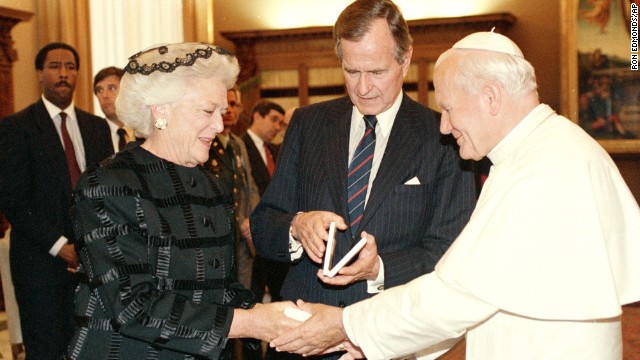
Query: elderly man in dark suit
[(43, 150), (406, 187)]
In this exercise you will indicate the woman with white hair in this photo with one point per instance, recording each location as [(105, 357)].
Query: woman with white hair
[(155, 230)]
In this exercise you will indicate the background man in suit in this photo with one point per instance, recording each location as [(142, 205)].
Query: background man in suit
[(106, 84), (277, 140), (265, 122), (418, 197), (266, 119), (41, 160)]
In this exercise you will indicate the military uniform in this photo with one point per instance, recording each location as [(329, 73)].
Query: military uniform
[(228, 161)]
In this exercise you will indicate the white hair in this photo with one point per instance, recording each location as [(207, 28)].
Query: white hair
[(160, 76), (475, 67)]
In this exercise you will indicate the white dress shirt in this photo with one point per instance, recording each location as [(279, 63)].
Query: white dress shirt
[(78, 147), (383, 129)]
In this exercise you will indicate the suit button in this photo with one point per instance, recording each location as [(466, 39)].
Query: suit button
[(342, 304), (206, 222), (193, 182), (215, 263)]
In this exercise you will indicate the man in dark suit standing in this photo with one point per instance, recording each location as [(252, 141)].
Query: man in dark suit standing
[(43, 150), (413, 196), (266, 118)]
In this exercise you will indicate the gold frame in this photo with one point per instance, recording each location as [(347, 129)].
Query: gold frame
[(569, 77)]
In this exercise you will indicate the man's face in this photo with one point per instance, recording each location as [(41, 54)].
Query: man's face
[(107, 90), (372, 75), (230, 118), (58, 77), (268, 126), (464, 116)]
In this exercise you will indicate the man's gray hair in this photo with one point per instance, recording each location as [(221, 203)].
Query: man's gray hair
[(476, 67)]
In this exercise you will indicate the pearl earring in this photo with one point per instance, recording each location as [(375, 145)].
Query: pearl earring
[(161, 123)]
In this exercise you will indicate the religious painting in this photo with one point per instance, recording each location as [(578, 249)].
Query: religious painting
[(602, 82)]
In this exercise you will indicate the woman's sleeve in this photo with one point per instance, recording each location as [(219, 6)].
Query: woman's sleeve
[(124, 291)]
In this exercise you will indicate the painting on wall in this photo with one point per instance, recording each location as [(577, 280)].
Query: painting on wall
[(603, 88)]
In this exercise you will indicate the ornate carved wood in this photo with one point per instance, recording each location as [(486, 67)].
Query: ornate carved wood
[(8, 19), (306, 48)]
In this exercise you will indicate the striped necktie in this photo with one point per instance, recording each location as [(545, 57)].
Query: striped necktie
[(359, 171)]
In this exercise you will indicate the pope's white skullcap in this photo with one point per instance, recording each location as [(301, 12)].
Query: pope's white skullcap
[(491, 41)]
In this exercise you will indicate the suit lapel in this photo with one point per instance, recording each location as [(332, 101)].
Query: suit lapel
[(50, 140), (400, 153), (336, 150)]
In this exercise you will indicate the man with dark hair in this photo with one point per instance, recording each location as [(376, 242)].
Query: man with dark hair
[(266, 118), (106, 84), (43, 150), (264, 123), (374, 163)]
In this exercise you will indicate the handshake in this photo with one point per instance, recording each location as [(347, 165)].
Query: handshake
[(320, 332)]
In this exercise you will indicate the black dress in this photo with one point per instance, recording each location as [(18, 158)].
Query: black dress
[(157, 270)]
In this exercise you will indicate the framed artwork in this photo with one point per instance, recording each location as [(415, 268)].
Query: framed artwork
[(600, 76)]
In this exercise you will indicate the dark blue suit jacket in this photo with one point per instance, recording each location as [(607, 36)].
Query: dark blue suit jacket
[(413, 224)]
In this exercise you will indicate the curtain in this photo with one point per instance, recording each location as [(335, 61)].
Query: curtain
[(121, 28), (68, 21)]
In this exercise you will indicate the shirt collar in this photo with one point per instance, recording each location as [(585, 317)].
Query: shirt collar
[(385, 119), (55, 111), (256, 139)]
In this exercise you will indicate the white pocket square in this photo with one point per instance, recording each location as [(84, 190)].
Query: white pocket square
[(413, 181)]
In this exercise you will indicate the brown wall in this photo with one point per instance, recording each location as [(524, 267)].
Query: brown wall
[(629, 165), (537, 31)]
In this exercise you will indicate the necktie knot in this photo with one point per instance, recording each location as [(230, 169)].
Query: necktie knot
[(370, 121), (122, 138)]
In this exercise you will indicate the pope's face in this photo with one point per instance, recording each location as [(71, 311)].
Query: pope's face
[(463, 116), (372, 75)]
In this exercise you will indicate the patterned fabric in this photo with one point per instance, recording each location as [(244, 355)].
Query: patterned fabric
[(359, 171), (157, 261)]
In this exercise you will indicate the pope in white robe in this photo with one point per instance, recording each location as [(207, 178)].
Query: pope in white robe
[(549, 255)]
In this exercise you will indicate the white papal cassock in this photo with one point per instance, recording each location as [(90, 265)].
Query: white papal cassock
[(540, 271)]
